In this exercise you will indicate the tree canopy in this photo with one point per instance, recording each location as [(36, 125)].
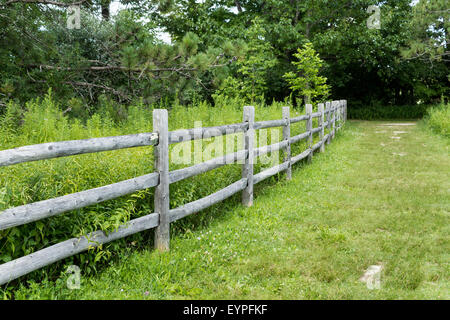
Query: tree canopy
[(233, 47)]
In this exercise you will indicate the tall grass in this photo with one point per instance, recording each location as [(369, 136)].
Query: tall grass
[(43, 121), (438, 119)]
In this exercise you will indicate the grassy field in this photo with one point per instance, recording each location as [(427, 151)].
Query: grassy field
[(378, 195)]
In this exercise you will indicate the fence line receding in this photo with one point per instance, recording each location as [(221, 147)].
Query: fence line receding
[(332, 115)]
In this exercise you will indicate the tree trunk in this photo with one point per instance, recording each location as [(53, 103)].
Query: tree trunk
[(238, 5), (307, 96), (105, 10)]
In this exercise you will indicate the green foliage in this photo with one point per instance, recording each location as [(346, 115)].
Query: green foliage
[(258, 59), (252, 68), (430, 28), (306, 80), (378, 111), (438, 119), (120, 57), (402, 63)]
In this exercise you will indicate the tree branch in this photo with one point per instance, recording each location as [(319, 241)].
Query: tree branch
[(238, 5), (55, 3)]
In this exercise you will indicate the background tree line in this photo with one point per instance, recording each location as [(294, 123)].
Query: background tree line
[(231, 47)]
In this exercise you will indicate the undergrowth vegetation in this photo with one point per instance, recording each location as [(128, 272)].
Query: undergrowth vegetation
[(438, 119), (377, 111), (43, 121)]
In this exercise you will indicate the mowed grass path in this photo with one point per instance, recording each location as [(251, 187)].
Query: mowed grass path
[(378, 195)]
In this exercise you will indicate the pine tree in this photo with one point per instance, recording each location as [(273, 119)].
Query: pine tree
[(307, 80)]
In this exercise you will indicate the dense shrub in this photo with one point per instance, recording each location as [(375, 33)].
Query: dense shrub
[(43, 121), (438, 119), (379, 112)]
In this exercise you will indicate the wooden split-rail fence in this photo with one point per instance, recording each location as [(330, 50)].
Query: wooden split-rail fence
[(332, 115)]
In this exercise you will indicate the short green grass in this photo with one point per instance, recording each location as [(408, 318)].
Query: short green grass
[(368, 199)]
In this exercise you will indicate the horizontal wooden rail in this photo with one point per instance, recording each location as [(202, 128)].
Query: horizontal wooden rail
[(39, 259), (300, 118), (301, 156), (316, 146), (270, 172), (184, 173), (299, 137), (269, 124), (270, 148), (316, 114), (47, 208), (315, 130), (203, 203), (74, 147), (183, 135)]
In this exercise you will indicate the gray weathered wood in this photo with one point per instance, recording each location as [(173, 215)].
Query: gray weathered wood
[(321, 126), (247, 167), (328, 107), (299, 137), (345, 110), (270, 148), (74, 147), (184, 173), (301, 156), (316, 146), (183, 135), (339, 114), (39, 259), (309, 129), (315, 130), (315, 114), (342, 113), (203, 203), (299, 118), (269, 124), (162, 232), (333, 119), (270, 172), (286, 137), (47, 208)]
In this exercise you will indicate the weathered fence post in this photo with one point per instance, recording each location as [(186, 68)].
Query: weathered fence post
[(328, 108), (309, 129), (161, 126), (286, 137), (247, 167), (338, 120), (345, 110), (333, 119), (322, 129)]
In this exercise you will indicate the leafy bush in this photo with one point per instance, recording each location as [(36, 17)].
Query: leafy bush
[(438, 119), (379, 112)]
